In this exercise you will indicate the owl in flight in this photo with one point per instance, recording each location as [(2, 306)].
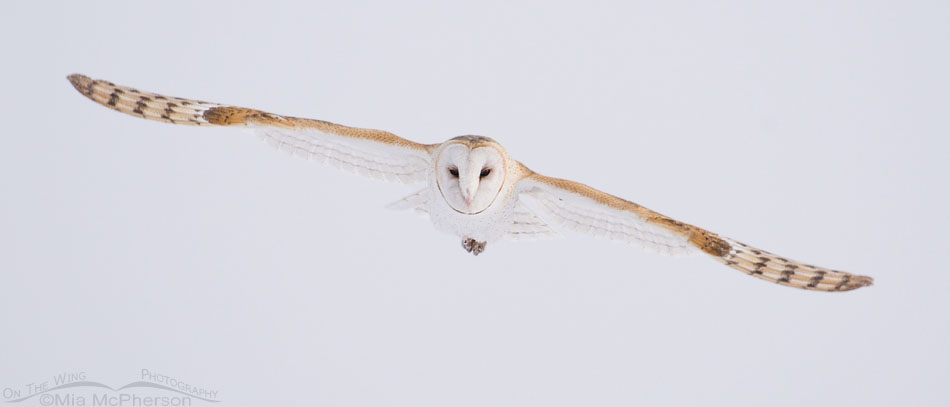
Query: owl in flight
[(473, 188)]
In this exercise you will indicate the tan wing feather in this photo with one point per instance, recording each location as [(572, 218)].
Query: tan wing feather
[(739, 256), (175, 110)]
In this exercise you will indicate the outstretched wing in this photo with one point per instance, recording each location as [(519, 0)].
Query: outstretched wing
[(584, 209), (372, 153)]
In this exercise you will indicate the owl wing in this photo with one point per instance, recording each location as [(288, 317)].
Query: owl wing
[(578, 207), (371, 153)]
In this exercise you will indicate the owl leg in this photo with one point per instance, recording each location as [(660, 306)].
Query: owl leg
[(472, 246)]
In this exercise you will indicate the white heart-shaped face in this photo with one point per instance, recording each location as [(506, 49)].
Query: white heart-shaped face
[(470, 178)]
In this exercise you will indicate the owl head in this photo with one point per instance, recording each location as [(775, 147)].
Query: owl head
[(470, 173)]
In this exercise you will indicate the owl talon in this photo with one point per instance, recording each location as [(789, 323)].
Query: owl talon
[(472, 246)]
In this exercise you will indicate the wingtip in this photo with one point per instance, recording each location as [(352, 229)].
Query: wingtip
[(857, 282), (81, 83), (865, 281)]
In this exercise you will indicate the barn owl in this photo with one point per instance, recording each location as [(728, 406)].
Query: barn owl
[(473, 188)]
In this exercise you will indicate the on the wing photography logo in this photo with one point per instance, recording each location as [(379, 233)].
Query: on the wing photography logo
[(151, 389)]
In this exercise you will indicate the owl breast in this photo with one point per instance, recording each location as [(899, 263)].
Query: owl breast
[(489, 225)]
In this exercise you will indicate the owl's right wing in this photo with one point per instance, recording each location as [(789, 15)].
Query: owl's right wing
[(580, 208), (371, 153)]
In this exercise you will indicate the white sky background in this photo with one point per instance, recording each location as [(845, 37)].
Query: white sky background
[(812, 130)]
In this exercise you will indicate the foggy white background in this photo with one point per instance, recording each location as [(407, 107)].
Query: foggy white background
[(817, 131)]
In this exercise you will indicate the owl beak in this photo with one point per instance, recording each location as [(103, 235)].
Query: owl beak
[(468, 195)]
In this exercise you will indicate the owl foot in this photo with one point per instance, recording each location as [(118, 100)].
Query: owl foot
[(472, 246)]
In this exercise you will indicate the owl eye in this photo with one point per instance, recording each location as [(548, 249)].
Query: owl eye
[(485, 172), (454, 171)]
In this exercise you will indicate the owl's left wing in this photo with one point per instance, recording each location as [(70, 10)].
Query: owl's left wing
[(584, 209), (371, 153)]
